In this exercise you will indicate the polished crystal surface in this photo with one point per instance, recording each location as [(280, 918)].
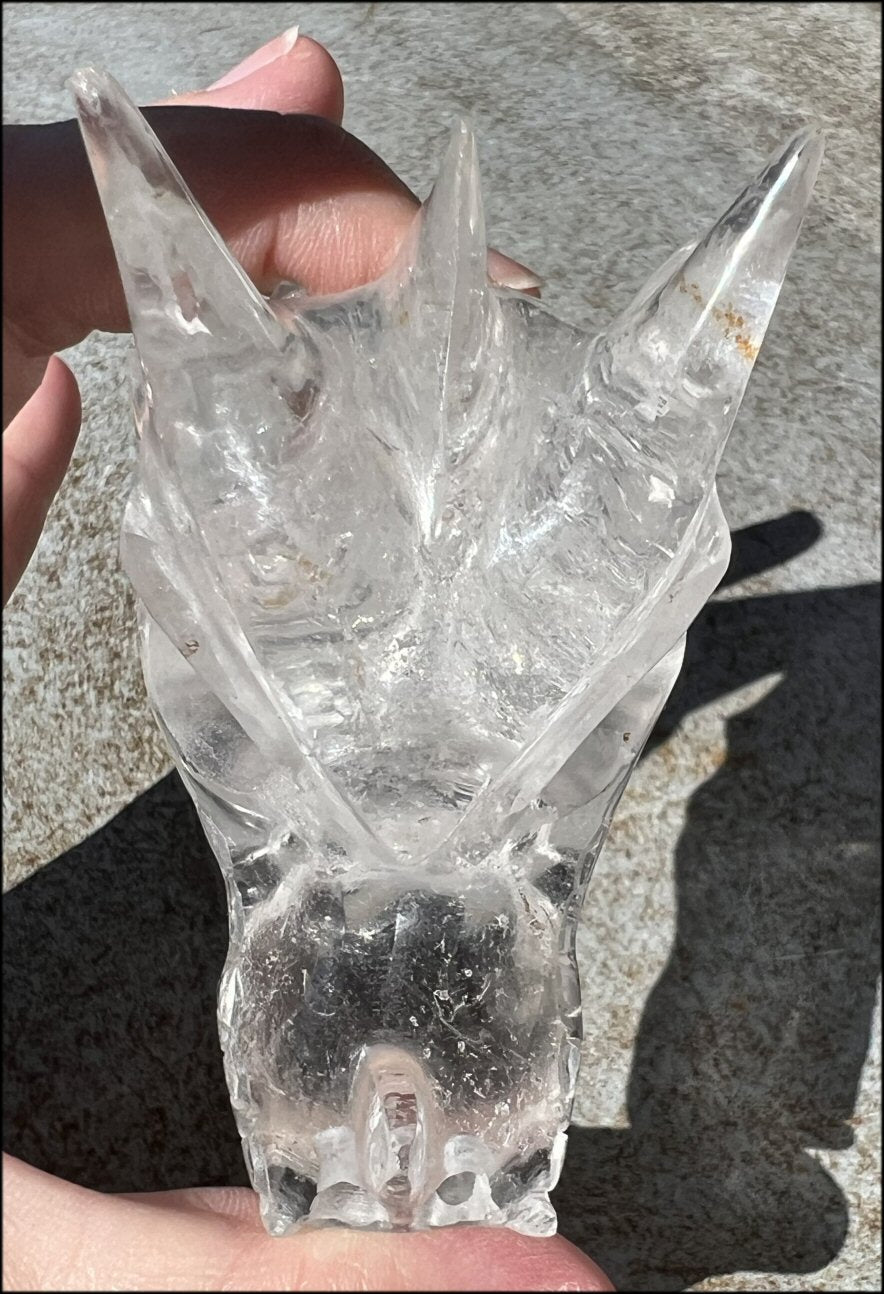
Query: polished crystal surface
[(414, 566)]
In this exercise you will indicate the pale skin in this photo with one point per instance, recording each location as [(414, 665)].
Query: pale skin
[(296, 197)]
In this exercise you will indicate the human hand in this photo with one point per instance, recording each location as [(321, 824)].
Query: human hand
[(296, 198)]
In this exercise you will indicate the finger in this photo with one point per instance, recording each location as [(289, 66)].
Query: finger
[(295, 74), (291, 73), (37, 447), (211, 1239), (508, 273), (257, 174), (295, 197), (288, 74)]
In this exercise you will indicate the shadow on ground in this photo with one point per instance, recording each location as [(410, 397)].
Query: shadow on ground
[(750, 1046)]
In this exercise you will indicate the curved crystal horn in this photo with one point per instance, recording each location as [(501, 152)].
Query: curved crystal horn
[(177, 273), (684, 349)]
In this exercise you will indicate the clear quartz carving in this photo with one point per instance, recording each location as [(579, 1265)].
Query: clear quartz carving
[(414, 568)]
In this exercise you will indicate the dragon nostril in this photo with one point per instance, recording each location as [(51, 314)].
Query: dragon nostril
[(456, 1189), (395, 1114)]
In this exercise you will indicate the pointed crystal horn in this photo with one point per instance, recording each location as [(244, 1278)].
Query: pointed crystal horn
[(178, 275), (450, 257), (684, 349), (440, 289)]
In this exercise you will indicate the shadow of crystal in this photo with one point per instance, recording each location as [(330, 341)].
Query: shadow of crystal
[(751, 1045)]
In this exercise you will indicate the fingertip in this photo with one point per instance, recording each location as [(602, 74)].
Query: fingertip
[(274, 49), (508, 273), (292, 73), (325, 76), (62, 387)]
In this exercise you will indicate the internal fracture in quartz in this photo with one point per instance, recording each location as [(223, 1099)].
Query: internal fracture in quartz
[(415, 565)]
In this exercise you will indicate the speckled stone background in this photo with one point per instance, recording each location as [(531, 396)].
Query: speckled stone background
[(726, 1132)]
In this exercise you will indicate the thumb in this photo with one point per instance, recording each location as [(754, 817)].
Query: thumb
[(37, 447)]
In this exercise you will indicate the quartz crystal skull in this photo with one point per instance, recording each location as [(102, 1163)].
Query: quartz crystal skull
[(414, 567)]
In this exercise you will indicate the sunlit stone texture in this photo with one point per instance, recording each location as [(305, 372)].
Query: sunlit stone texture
[(415, 565)]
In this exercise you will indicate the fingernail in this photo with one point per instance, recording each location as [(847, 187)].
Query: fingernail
[(269, 53), (508, 273)]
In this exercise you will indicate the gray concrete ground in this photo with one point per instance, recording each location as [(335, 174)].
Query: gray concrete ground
[(727, 1122)]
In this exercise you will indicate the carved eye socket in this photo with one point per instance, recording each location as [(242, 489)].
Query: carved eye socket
[(302, 399)]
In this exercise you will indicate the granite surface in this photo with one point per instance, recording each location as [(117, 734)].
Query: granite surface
[(726, 1131)]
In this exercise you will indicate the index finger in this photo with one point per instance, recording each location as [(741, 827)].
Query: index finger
[(295, 197)]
